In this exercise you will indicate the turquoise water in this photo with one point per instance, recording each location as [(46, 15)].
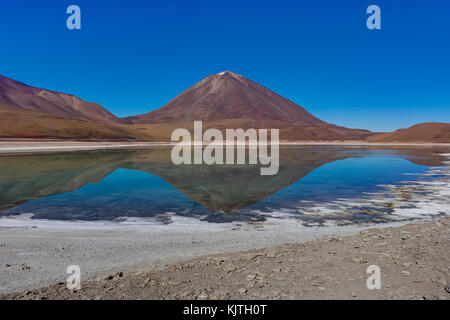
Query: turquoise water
[(143, 183)]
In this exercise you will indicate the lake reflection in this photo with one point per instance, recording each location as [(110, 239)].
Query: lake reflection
[(311, 183)]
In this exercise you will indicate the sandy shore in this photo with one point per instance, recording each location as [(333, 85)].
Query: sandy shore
[(37, 252), (26, 146), (150, 262)]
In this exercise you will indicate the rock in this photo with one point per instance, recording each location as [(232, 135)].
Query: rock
[(114, 276), (222, 293), (250, 277), (406, 273), (407, 237), (110, 276), (447, 287), (203, 295), (406, 264), (242, 290), (229, 269), (359, 260)]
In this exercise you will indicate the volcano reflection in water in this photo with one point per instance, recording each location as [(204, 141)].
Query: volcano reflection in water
[(115, 184)]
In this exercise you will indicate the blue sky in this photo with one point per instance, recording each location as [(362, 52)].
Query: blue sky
[(134, 56)]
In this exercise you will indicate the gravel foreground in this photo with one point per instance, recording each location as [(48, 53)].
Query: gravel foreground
[(414, 261)]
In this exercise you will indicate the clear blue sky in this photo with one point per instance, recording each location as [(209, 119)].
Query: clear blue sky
[(135, 56)]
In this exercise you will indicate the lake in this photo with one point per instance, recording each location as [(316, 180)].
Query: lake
[(316, 185)]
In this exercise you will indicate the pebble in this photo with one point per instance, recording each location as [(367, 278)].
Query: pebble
[(114, 276), (406, 264), (359, 260)]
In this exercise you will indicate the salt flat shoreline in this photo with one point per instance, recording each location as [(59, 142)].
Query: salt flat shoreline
[(282, 262), (36, 253), (27, 146)]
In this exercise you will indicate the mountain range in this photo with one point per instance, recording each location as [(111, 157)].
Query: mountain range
[(224, 100)]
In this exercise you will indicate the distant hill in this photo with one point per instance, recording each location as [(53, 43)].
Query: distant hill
[(424, 132), (228, 100), (36, 125), (21, 97), (30, 112)]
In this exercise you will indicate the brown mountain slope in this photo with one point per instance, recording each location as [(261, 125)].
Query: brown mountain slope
[(424, 132), (16, 123), (228, 100), (21, 97), (30, 112)]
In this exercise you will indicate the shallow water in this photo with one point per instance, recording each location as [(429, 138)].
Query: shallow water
[(315, 184)]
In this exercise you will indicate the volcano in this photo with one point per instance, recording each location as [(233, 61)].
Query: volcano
[(229, 100)]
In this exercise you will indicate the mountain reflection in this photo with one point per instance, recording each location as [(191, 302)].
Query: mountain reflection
[(220, 188)]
